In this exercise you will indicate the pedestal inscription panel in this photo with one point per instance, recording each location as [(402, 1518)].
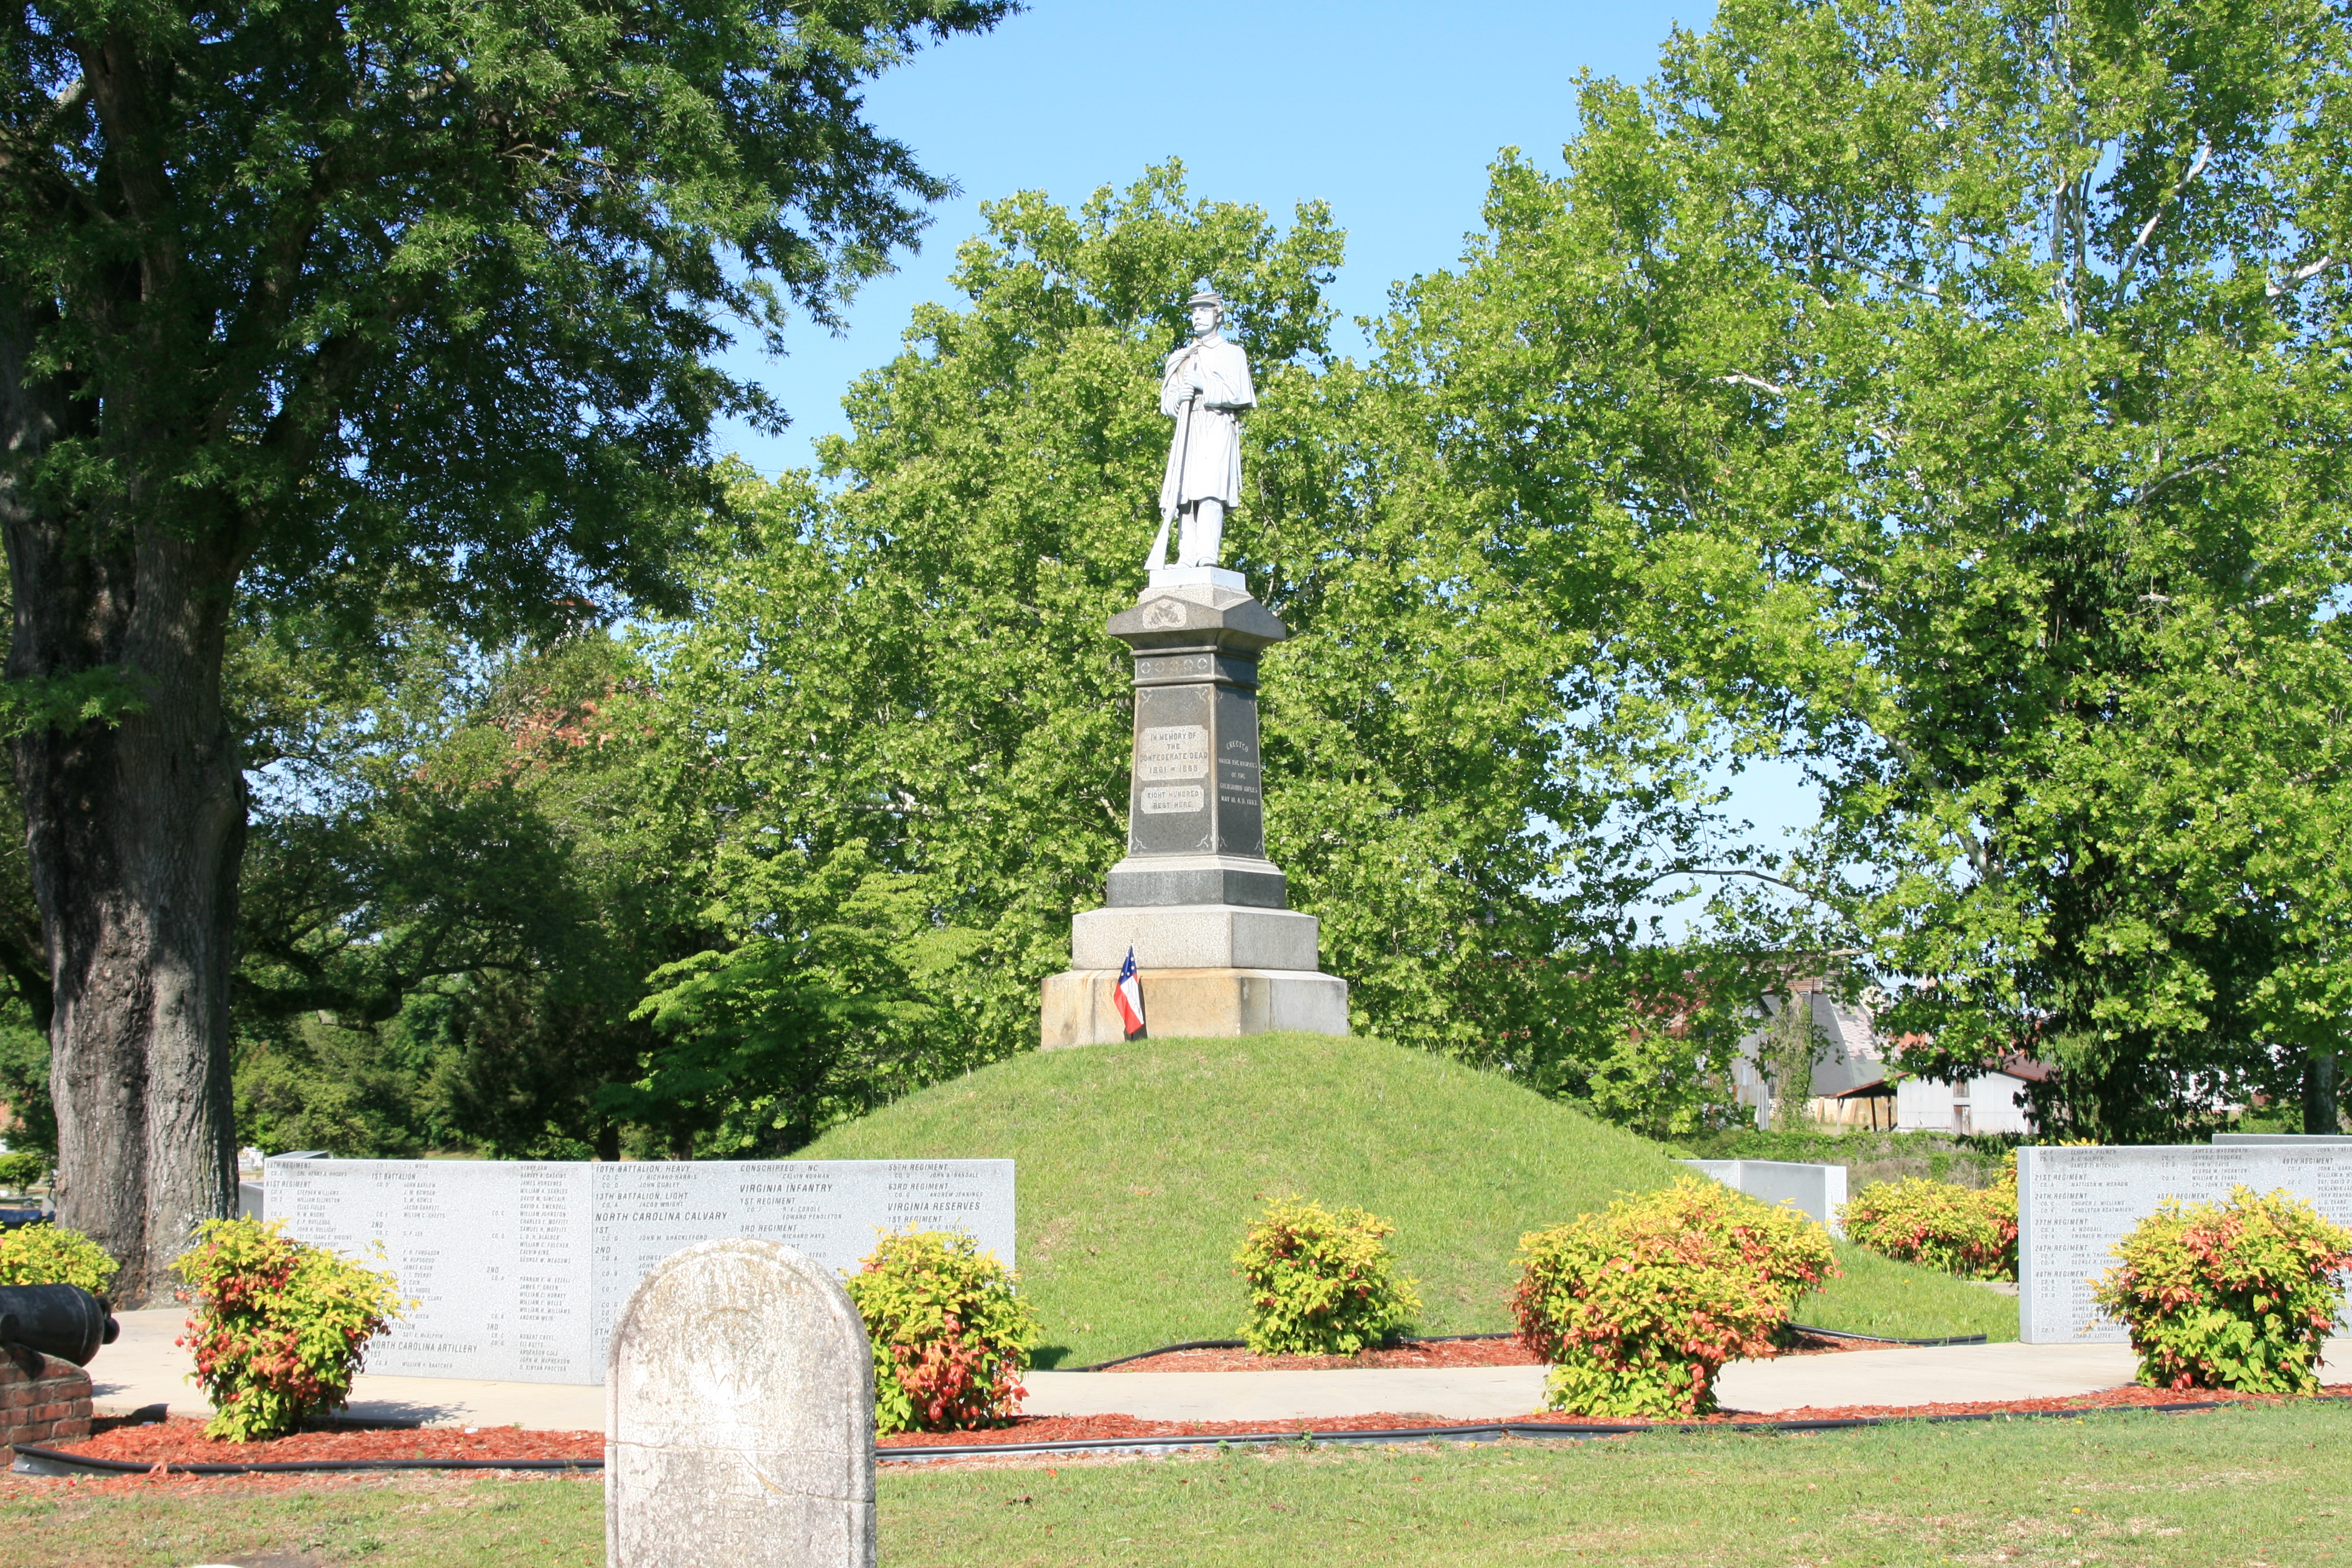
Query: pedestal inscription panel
[(1241, 799), (2074, 1204), (1168, 813), (519, 1269)]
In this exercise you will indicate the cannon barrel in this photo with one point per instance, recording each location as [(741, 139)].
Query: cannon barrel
[(63, 1321)]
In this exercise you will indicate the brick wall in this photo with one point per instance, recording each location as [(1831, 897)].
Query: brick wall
[(42, 1399)]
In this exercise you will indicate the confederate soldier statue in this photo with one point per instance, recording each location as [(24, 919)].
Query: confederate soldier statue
[(1205, 386)]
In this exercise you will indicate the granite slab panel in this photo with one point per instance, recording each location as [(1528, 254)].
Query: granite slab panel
[(1818, 1190), (2074, 1204), (519, 1269)]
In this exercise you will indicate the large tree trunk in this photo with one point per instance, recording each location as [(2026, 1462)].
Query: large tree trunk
[(134, 824), (2319, 1092)]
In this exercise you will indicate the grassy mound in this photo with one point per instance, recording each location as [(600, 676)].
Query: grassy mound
[(1139, 1166)]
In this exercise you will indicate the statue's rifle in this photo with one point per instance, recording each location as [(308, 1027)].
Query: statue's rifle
[(1183, 452)]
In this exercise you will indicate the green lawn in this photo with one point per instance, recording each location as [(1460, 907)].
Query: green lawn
[(2261, 1486), (1878, 1296), (1140, 1164)]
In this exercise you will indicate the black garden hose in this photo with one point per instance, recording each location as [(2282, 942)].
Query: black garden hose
[(1455, 1339)]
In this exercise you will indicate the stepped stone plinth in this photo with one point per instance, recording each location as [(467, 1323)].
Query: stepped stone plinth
[(1216, 948)]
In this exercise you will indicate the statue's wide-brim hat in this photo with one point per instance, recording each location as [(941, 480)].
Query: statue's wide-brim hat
[(1204, 295)]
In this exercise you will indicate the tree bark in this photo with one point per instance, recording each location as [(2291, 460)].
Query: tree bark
[(2319, 1092), (134, 826), (1792, 1046)]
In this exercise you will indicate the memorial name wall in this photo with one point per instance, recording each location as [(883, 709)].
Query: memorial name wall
[(519, 1269), (2074, 1204)]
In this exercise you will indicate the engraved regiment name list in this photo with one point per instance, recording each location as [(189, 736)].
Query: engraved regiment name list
[(2074, 1204), (518, 1269)]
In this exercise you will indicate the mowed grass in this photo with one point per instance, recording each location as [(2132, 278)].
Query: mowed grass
[(1140, 1166), (1876, 1295), (2259, 1485), (2243, 1487), (409, 1522)]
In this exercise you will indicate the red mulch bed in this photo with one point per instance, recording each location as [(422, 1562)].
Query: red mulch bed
[(182, 1441), (2131, 1396), (1097, 1428)]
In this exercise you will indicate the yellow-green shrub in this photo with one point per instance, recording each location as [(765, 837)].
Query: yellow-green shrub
[(951, 1335), (2238, 1295), (279, 1328), (1638, 1308), (52, 1255), (1967, 1231), (1321, 1283)]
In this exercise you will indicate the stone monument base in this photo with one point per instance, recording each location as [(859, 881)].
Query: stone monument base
[(1211, 1003), (1194, 936)]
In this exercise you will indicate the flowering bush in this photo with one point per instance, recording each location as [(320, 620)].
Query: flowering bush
[(950, 1333), (2237, 1295), (1967, 1231), (279, 1327), (1320, 1283), (1638, 1308), (52, 1255)]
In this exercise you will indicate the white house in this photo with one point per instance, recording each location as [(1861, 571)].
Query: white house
[(1850, 1080)]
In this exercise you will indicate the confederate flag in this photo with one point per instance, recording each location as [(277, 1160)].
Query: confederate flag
[(1131, 997)]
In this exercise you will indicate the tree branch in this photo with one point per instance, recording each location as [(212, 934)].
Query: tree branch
[(2299, 276), (2210, 465), (1802, 892), (2131, 257), (1970, 845)]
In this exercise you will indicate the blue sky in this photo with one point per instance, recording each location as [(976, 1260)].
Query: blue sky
[(1390, 112)]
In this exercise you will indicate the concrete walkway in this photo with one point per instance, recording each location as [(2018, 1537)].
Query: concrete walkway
[(1447, 1394), (1924, 1374), (144, 1371)]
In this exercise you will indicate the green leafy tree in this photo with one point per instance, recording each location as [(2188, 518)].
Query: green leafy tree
[(452, 904), (1961, 393), (817, 1010), (344, 307), (912, 659)]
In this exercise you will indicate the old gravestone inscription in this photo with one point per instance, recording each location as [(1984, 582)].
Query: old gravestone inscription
[(2074, 1204), (738, 1426), (521, 1269)]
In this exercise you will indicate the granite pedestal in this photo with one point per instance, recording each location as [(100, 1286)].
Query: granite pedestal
[(1206, 914)]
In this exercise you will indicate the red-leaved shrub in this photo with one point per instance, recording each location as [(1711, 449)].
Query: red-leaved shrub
[(1638, 1308), (279, 1326), (2238, 1295), (950, 1333)]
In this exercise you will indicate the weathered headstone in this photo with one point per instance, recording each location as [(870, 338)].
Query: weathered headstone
[(2074, 1204), (521, 1268), (738, 1415)]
